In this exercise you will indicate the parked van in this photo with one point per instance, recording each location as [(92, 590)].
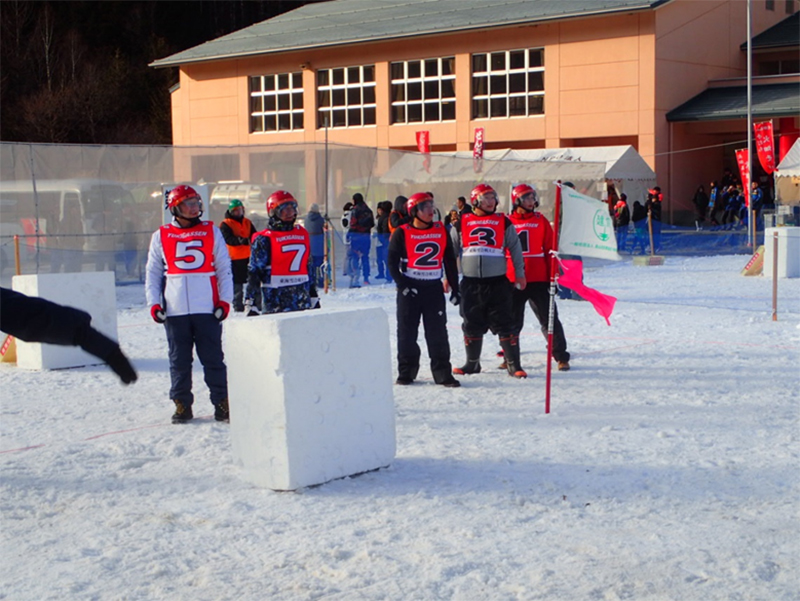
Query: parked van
[(253, 197), (73, 214)]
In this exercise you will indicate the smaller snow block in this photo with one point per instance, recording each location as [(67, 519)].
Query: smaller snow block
[(648, 260), (94, 292), (310, 395)]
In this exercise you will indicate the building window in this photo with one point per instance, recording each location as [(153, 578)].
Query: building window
[(423, 90), (789, 7), (781, 67), (770, 4), (346, 96), (276, 102), (509, 83)]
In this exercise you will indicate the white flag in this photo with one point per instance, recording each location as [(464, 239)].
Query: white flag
[(586, 227)]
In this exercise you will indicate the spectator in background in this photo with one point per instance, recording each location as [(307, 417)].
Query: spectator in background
[(639, 218), (237, 230), (733, 205), (463, 206), (315, 226), (399, 216), (622, 218), (756, 202), (382, 234), (612, 198), (452, 217), (727, 179), (653, 207), (347, 211), (700, 201), (713, 205), (361, 223)]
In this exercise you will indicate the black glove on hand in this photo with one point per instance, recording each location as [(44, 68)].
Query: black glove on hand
[(101, 346), (455, 297)]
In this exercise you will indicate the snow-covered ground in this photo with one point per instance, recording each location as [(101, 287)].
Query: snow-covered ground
[(668, 468)]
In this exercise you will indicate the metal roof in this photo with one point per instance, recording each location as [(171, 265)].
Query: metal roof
[(340, 22), (781, 35), (768, 101)]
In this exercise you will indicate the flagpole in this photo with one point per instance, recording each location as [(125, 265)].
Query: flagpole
[(551, 312), (749, 201)]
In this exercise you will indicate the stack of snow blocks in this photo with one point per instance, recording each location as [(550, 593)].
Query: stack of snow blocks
[(93, 292), (310, 395)]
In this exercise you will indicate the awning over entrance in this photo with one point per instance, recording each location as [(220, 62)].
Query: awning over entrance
[(769, 102)]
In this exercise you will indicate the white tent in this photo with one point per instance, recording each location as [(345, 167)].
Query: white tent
[(787, 176), (622, 165)]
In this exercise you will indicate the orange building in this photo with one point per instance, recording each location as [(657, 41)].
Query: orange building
[(531, 74)]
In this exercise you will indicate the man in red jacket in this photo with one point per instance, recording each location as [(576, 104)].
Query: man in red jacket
[(536, 236)]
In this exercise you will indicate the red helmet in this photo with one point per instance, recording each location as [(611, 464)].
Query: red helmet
[(521, 190), (181, 194), (278, 199), (478, 191), (415, 200)]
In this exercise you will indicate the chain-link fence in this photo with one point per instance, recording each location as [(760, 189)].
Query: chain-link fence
[(83, 208)]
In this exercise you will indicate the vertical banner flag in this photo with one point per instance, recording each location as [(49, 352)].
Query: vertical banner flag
[(587, 229), (742, 157), (424, 146), (477, 151), (765, 145)]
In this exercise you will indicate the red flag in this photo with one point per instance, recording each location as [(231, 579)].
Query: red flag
[(477, 150), (742, 157), (424, 146), (765, 145), (573, 279)]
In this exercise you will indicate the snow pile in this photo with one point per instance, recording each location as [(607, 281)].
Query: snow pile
[(668, 468)]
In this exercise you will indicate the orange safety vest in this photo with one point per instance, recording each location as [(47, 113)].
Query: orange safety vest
[(240, 229)]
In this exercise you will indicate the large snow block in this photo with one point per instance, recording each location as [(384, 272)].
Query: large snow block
[(788, 251), (310, 395), (93, 292)]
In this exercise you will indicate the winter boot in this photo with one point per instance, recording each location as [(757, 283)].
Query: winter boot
[(183, 413), (510, 346), (221, 412), (473, 364)]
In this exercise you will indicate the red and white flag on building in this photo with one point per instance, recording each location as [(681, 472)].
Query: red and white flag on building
[(743, 158), (477, 151), (765, 145), (424, 146)]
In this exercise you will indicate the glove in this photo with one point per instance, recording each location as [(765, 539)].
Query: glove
[(410, 292), (249, 309), (158, 314), (455, 297), (315, 302), (221, 310), (102, 347)]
